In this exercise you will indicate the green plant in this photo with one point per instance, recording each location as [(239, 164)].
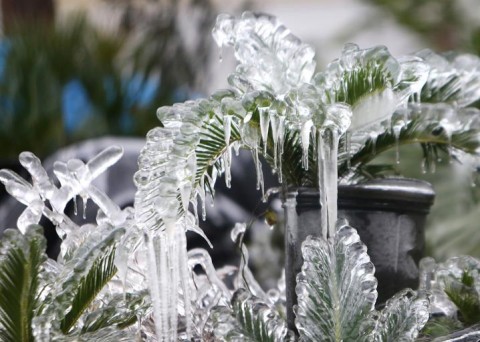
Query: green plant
[(98, 287)]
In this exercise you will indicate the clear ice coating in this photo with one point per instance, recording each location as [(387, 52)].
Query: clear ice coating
[(339, 270), (278, 108)]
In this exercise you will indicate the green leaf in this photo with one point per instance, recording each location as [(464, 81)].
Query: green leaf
[(404, 315), (419, 130), (257, 320), (121, 311), (211, 147), (102, 270), (249, 319), (336, 289), (21, 259), (465, 297), (440, 326), (88, 269), (110, 334), (357, 83)]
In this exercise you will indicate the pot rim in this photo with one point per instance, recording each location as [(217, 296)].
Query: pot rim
[(391, 194)]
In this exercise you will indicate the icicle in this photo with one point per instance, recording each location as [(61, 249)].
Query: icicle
[(174, 269), (258, 169), (153, 278), (264, 125), (305, 139), (75, 209), (185, 193), (397, 128), (329, 144), (322, 185), (185, 276), (84, 203), (313, 132), (227, 159), (280, 146), (201, 194), (348, 136), (227, 126), (275, 122), (236, 147), (228, 165)]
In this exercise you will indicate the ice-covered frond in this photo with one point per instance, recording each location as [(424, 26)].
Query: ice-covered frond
[(208, 288), (270, 57), (121, 310), (372, 81), (453, 78), (441, 127), (404, 315), (71, 278), (336, 289), (22, 262), (248, 319), (75, 179)]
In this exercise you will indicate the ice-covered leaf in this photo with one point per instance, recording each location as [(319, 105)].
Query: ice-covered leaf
[(453, 78), (249, 319), (404, 315), (270, 56), (21, 263), (88, 269), (101, 271), (110, 334), (120, 311), (336, 289)]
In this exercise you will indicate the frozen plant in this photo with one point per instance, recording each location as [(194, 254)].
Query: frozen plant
[(129, 276)]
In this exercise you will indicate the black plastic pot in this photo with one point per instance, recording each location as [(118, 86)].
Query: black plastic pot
[(389, 215)]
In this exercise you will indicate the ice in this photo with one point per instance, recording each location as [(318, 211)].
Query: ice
[(273, 96), (271, 58), (336, 123), (305, 139), (264, 125), (453, 78), (373, 109)]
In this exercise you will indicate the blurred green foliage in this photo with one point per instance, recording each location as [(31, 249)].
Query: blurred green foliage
[(113, 81)]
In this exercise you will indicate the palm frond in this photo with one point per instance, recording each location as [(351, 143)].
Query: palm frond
[(359, 82), (211, 147), (81, 278), (102, 270), (21, 260), (416, 131)]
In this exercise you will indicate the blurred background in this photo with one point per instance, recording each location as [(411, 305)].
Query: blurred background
[(72, 70)]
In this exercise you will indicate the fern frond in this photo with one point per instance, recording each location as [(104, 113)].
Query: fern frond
[(21, 259)]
